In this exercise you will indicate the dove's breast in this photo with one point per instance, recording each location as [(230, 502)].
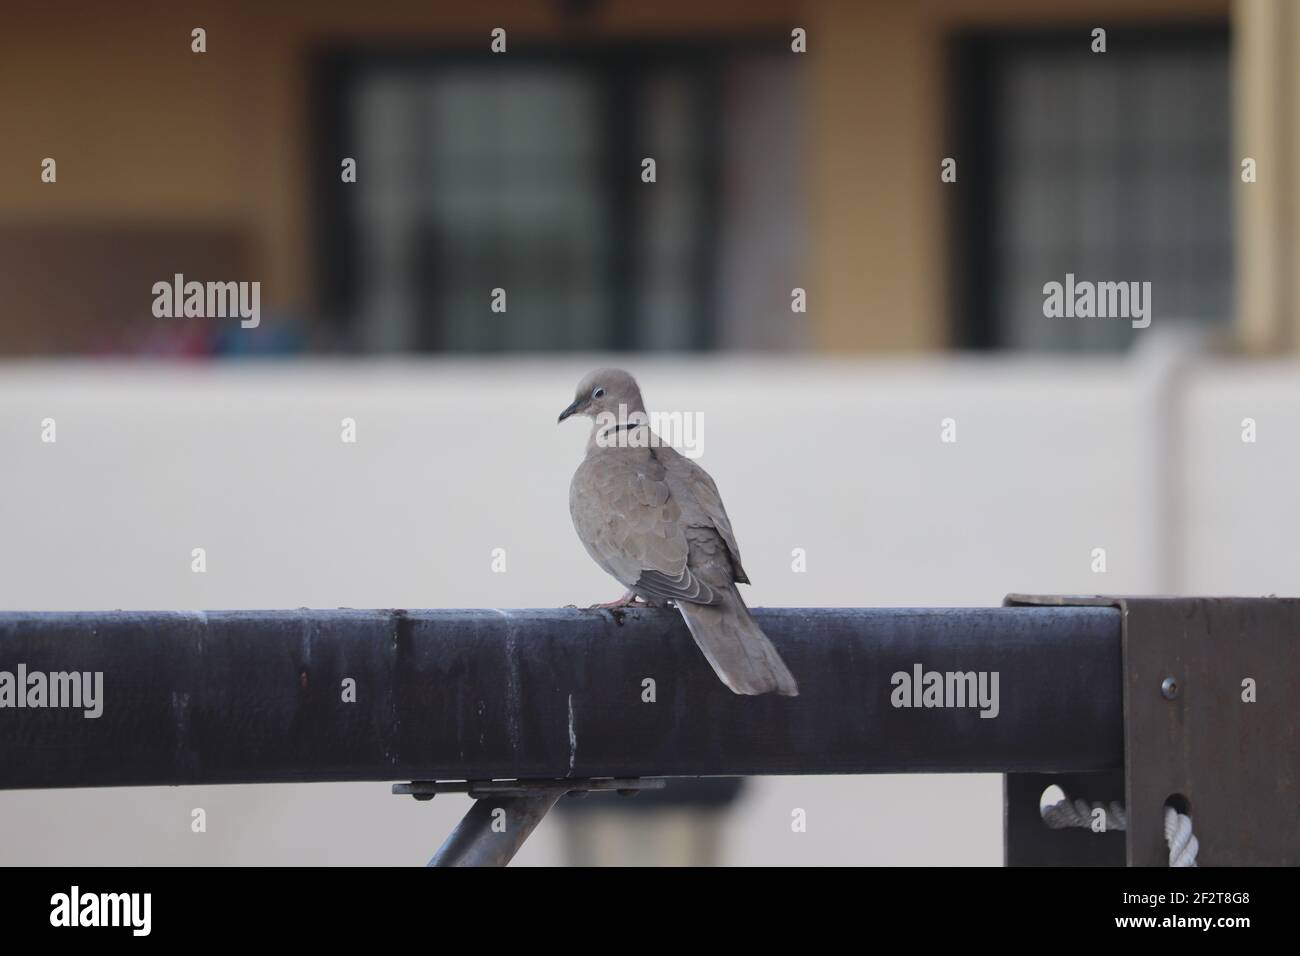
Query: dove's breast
[(593, 519), (625, 515)]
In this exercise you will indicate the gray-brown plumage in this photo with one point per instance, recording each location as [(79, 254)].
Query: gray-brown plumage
[(653, 520)]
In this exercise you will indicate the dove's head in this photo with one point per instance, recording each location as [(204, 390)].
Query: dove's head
[(604, 392)]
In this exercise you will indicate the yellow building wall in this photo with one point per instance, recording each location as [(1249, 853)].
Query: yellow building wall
[(145, 131)]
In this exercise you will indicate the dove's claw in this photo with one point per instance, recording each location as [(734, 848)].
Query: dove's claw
[(627, 600)]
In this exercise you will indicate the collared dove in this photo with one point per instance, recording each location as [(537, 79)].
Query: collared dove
[(653, 519)]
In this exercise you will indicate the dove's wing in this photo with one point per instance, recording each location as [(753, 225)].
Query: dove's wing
[(628, 518), (701, 504)]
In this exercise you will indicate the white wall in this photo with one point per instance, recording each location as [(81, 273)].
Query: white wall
[(456, 458)]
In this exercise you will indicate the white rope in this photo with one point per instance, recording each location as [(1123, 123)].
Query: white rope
[(1081, 813), (1183, 844)]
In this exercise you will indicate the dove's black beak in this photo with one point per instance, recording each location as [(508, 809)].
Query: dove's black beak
[(569, 411)]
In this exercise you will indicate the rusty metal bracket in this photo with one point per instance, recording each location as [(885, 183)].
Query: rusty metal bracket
[(1211, 726), (506, 812)]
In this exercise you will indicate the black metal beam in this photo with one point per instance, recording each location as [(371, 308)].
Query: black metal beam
[(257, 696)]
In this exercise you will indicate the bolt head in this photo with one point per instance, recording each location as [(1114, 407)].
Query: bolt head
[(1169, 688)]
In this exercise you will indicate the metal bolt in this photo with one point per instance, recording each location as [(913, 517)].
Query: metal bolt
[(1169, 688)]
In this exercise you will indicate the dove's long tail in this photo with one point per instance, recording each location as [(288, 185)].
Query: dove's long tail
[(738, 650)]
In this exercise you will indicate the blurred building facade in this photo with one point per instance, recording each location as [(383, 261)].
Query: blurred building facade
[(775, 171)]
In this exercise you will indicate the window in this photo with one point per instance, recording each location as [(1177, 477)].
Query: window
[(524, 173), (1111, 166)]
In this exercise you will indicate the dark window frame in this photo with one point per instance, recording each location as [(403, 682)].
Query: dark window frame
[(619, 65), (974, 205)]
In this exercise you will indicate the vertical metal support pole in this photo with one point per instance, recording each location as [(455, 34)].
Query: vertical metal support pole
[(494, 829)]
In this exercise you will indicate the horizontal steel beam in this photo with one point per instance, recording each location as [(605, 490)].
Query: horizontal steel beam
[(263, 696)]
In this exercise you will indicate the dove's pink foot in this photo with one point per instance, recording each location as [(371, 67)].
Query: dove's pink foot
[(627, 600)]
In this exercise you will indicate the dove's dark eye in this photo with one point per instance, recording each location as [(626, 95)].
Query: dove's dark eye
[(597, 393)]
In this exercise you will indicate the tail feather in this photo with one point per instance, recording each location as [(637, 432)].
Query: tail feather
[(736, 647)]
